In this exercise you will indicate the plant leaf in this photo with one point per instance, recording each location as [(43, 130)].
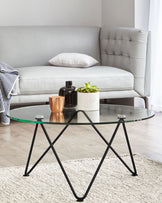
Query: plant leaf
[(88, 88)]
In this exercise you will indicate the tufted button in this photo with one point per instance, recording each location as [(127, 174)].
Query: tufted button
[(130, 39)]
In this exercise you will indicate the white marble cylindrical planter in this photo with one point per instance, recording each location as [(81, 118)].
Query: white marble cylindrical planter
[(88, 101)]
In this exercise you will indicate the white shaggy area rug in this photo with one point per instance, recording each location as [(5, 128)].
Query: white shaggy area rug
[(114, 183)]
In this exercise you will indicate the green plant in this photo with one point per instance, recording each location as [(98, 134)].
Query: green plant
[(88, 88)]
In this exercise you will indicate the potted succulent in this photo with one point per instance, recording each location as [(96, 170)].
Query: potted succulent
[(88, 97)]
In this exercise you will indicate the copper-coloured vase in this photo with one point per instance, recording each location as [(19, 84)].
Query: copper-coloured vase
[(56, 103)]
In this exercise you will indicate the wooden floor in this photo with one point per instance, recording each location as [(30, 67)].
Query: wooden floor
[(79, 141)]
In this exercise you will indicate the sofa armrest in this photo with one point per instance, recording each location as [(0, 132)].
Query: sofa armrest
[(128, 49)]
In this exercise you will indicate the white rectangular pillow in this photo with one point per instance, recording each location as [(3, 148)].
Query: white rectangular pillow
[(73, 60)]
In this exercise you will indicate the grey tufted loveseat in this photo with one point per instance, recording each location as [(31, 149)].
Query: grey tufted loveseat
[(123, 54)]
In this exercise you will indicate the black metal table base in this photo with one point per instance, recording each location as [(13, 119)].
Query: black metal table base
[(51, 146)]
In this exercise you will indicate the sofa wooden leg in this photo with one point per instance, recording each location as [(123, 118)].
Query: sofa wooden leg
[(146, 100)]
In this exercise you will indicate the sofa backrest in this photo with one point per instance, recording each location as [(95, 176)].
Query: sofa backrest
[(34, 45), (128, 48)]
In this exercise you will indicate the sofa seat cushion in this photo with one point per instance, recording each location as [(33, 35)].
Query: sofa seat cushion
[(49, 79)]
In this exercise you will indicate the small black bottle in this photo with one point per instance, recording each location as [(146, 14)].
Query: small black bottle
[(70, 95)]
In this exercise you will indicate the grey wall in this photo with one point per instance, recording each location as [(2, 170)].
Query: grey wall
[(118, 13), (142, 8), (129, 13), (50, 12)]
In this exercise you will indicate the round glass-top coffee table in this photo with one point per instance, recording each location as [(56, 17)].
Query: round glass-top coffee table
[(108, 114)]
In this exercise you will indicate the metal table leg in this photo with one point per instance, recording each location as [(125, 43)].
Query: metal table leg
[(51, 146)]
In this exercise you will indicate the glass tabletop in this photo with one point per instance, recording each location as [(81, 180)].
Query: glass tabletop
[(107, 114)]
